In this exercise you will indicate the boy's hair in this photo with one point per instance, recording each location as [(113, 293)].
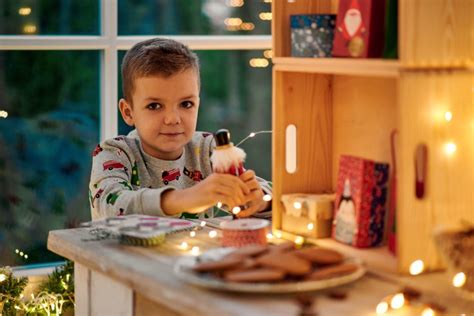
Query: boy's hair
[(157, 56)]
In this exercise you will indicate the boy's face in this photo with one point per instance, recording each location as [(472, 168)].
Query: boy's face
[(164, 112)]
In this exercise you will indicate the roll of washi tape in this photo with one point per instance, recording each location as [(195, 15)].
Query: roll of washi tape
[(143, 234), (243, 232)]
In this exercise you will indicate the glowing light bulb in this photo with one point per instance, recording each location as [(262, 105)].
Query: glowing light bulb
[(417, 267), (459, 279), (277, 234), (247, 26), (24, 11), (29, 28), (203, 223), (448, 116), (233, 21), (267, 197), (259, 62), (450, 148), (17, 251), (398, 300), (195, 251), (266, 16), (212, 234), (428, 312), (269, 236), (236, 210), (299, 240), (21, 253), (184, 246), (268, 53), (297, 205), (252, 134), (26, 256), (3, 277), (381, 308), (219, 204), (3, 114), (235, 3), (310, 226), (192, 234)]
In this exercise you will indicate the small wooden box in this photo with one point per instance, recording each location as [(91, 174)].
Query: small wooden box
[(308, 215)]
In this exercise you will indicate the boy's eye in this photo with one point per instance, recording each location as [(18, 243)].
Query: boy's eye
[(187, 104), (153, 106)]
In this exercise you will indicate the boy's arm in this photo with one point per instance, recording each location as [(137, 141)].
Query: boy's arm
[(110, 189), (224, 188)]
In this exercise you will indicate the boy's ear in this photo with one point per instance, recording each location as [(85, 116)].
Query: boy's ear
[(126, 111)]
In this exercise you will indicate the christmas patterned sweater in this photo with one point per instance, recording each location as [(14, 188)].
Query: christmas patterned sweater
[(126, 180)]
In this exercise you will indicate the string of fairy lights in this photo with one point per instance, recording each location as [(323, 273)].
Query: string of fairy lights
[(56, 293), (52, 303)]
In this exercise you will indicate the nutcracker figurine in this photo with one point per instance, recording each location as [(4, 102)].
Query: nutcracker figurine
[(227, 158)]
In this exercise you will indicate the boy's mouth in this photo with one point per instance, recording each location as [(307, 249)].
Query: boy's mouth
[(171, 134)]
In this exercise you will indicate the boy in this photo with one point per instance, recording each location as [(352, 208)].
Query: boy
[(163, 166)]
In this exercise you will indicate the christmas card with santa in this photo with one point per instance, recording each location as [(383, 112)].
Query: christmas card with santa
[(359, 29)]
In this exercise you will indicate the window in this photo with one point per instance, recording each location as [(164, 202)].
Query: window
[(58, 97)]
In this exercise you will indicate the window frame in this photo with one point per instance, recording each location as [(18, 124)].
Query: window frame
[(109, 43)]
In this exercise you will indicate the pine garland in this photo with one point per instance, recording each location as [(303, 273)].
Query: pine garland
[(54, 295), (10, 291)]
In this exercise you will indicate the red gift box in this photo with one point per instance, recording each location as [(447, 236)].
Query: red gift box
[(360, 202), (359, 28)]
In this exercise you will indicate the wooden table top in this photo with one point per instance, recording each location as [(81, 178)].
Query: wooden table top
[(149, 271)]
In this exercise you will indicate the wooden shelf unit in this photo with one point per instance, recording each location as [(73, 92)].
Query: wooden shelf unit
[(350, 106)]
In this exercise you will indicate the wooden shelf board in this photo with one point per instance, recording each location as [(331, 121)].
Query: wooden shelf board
[(339, 66)]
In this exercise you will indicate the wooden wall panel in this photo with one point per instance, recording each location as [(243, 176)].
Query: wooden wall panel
[(364, 114), (305, 101), (424, 98), (436, 32)]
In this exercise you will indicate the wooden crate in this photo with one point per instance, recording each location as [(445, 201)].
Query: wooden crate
[(350, 106)]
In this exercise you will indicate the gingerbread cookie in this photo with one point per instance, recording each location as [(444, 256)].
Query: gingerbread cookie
[(286, 261), (332, 271), (321, 256), (255, 275), (283, 247), (220, 265)]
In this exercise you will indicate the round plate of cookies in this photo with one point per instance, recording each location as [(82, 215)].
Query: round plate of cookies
[(269, 269)]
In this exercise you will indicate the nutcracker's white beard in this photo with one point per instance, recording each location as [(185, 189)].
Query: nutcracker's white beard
[(223, 159)]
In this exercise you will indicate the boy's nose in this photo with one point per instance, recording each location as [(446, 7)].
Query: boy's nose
[(172, 117)]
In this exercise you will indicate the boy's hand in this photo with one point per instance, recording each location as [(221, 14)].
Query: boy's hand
[(225, 188), (255, 202)]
